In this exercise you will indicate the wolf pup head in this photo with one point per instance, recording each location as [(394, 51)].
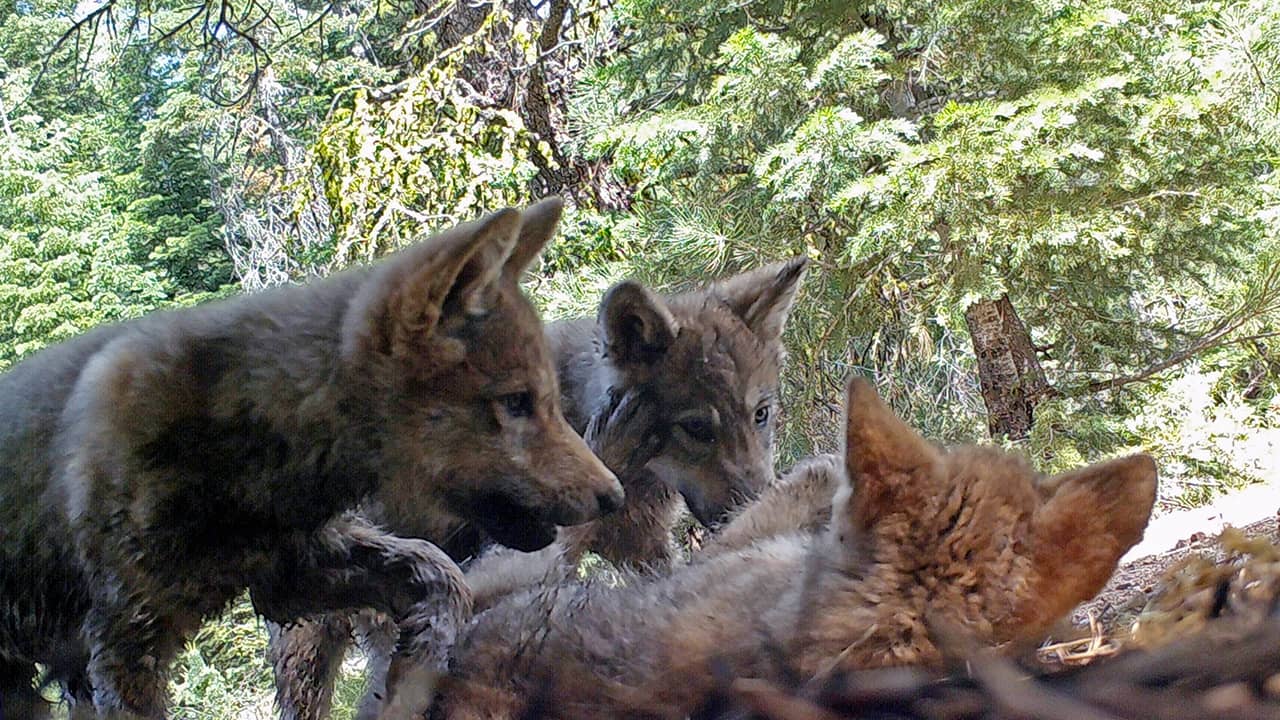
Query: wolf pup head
[(710, 360), (466, 399), (969, 536)]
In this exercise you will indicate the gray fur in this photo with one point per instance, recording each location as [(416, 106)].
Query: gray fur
[(627, 377), (152, 470)]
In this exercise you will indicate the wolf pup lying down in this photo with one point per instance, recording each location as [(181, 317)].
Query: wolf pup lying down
[(969, 536), (151, 470), (694, 382), (704, 366)]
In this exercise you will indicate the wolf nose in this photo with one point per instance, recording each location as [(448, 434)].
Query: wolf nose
[(610, 501)]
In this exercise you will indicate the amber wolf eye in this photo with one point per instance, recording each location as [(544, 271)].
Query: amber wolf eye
[(517, 404)]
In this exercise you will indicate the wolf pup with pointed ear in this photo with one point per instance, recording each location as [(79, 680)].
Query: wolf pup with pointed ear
[(677, 394), (914, 533), (151, 470), (705, 367), (697, 371)]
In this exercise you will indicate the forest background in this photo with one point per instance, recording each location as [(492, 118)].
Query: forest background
[(1047, 224)]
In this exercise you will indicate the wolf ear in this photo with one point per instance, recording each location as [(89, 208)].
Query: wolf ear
[(537, 227), (1088, 521), (637, 326), (465, 274), (401, 302), (763, 297), (888, 465)]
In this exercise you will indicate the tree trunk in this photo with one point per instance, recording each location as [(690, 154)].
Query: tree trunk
[(1011, 378), (463, 19), (538, 95), (552, 178)]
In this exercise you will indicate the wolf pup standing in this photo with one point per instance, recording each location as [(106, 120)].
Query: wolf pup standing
[(679, 395), (968, 536), (151, 470)]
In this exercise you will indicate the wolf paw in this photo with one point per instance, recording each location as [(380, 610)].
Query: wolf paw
[(427, 635)]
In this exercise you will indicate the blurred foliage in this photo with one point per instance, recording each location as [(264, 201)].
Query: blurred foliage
[(224, 670)]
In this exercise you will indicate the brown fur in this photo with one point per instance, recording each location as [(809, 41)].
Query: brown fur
[(967, 537), (152, 470), (800, 501), (629, 378)]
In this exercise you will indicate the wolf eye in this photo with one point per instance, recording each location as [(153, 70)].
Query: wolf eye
[(517, 404), (698, 429), (762, 414)]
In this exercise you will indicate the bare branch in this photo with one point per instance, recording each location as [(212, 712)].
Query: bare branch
[(74, 31), (1265, 302)]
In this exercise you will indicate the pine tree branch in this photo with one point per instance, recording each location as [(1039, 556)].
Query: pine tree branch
[(1210, 341), (1205, 343), (1262, 299)]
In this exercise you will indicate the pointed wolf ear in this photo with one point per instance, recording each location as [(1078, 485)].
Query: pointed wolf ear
[(537, 227), (400, 302), (763, 297), (888, 464), (476, 268), (1089, 520), (637, 326)]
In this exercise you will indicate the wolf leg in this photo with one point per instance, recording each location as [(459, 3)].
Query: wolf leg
[(131, 644), (502, 571), (637, 536), (125, 675), (350, 565), (306, 657), (79, 697), (799, 502), (624, 435), (376, 635)]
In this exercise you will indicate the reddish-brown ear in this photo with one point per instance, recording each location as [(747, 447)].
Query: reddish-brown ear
[(889, 466), (401, 302), (538, 224), (1089, 520)]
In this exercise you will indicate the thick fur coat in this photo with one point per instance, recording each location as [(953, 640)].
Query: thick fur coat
[(917, 536), (152, 470)]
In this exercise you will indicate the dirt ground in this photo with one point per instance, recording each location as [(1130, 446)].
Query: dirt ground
[(1124, 597)]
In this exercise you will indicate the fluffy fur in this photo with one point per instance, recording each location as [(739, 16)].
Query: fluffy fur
[(151, 470), (635, 380), (968, 536)]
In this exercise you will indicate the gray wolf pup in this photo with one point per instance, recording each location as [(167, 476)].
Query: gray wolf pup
[(152, 470), (678, 395), (705, 365), (968, 536)]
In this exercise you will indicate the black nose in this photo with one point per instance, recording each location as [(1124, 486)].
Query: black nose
[(610, 502)]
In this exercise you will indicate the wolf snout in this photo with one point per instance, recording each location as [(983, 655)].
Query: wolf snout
[(711, 505), (591, 502), (611, 500)]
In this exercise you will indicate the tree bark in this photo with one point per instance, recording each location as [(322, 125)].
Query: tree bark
[(462, 20), (552, 178), (538, 94), (1009, 373)]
